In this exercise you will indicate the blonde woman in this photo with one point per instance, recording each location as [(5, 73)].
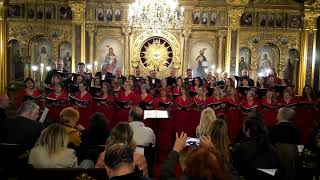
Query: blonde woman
[(51, 150), (207, 117), (69, 118), (219, 137), (122, 133)]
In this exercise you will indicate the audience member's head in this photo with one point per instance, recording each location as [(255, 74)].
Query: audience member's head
[(121, 133), (205, 164), (4, 101), (136, 114), (29, 110), (219, 137), (207, 117), (69, 116), (54, 139), (285, 114), (119, 160), (98, 122)]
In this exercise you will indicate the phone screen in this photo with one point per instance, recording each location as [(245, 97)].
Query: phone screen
[(192, 142)]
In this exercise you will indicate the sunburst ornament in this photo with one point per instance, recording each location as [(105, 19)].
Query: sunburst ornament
[(156, 56)]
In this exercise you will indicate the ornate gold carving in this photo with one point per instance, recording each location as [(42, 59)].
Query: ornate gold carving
[(237, 2), (310, 20), (78, 9), (222, 33), (234, 17), (187, 32), (91, 28), (126, 30)]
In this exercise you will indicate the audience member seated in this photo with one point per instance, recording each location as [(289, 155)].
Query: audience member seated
[(24, 129), (256, 152), (207, 117), (119, 160), (284, 131), (122, 133), (4, 104), (203, 162), (51, 149), (69, 118), (142, 135)]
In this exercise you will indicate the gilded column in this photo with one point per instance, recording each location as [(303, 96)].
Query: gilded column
[(3, 62), (126, 30), (78, 18), (91, 29), (221, 35), (186, 35), (234, 15)]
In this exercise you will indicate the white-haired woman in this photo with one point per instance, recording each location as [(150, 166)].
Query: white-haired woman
[(207, 117), (51, 149)]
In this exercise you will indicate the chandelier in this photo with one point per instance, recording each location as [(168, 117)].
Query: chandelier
[(155, 14)]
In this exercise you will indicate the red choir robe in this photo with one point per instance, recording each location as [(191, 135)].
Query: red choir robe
[(84, 110), (198, 106), (193, 91), (56, 107), (145, 104), (176, 91), (183, 121), (106, 106), (218, 105), (306, 114), (24, 96), (164, 128), (124, 104), (232, 118), (269, 111), (246, 108)]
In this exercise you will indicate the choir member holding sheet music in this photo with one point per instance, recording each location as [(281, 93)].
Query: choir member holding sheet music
[(124, 103), (145, 102), (105, 103), (200, 103), (189, 79), (95, 89), (210, 86), (164, 128), (176, 90), (232, 113), (81, 71), (216, 101), (55, 102), (268, 108), (83, 104), (73, 87), (28, 93), (116, 87), (56, 79), (193, 90), (183, 103), (250, 104), (57, 70)]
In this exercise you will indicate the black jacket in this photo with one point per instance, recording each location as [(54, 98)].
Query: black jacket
[(52, 72), (171, 80), (131, 176), (21, 131), (107, 78), (3, 115), (284, 132)]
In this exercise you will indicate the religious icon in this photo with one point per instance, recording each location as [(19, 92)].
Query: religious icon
[(270, 20), (67, 60), (39, 13), (213, 19), (279, 19), (65, 51), (246, 19), (30, 12), (111, 58), (65, 13), (109, 15), (292, 59), (202, 63), (42, 51), (262, 20), (117, 15), (14, 11), (48, 12), (264, 63), (16, 63), (204, 18), (242, 65), (295, 21), (100, 16), (196, 18), (43, 58)]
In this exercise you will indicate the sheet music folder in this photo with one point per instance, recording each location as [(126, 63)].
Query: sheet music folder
[(155, 114)]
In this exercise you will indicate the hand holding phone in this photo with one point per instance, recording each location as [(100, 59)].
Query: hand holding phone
[(192, 142)]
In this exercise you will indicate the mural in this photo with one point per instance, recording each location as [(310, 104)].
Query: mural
[(65, 53), (15, 61), (110, 51), (201, 57), (41, 53), (245, 59), (268, 57)]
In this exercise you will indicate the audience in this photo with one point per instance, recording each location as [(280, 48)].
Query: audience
[(24, 129), (98, 133), (256, 151), (119, 162), (4, 104), (142, 135), (203, 162), (122, 133), (207, 117), (284, 131), (69, 118), (51, 149)]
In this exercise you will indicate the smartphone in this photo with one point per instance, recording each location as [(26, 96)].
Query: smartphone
[(192, 142)]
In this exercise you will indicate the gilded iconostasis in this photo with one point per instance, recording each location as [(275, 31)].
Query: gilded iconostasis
[(228, 35)]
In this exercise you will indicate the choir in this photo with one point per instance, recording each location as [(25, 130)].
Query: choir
[(184, 99)]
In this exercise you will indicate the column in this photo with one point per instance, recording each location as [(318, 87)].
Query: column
[(186, 35), (221, 36), (91, 29), (308, 49), (126, 30), (3, 49), (234, 15), (78, 32)]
